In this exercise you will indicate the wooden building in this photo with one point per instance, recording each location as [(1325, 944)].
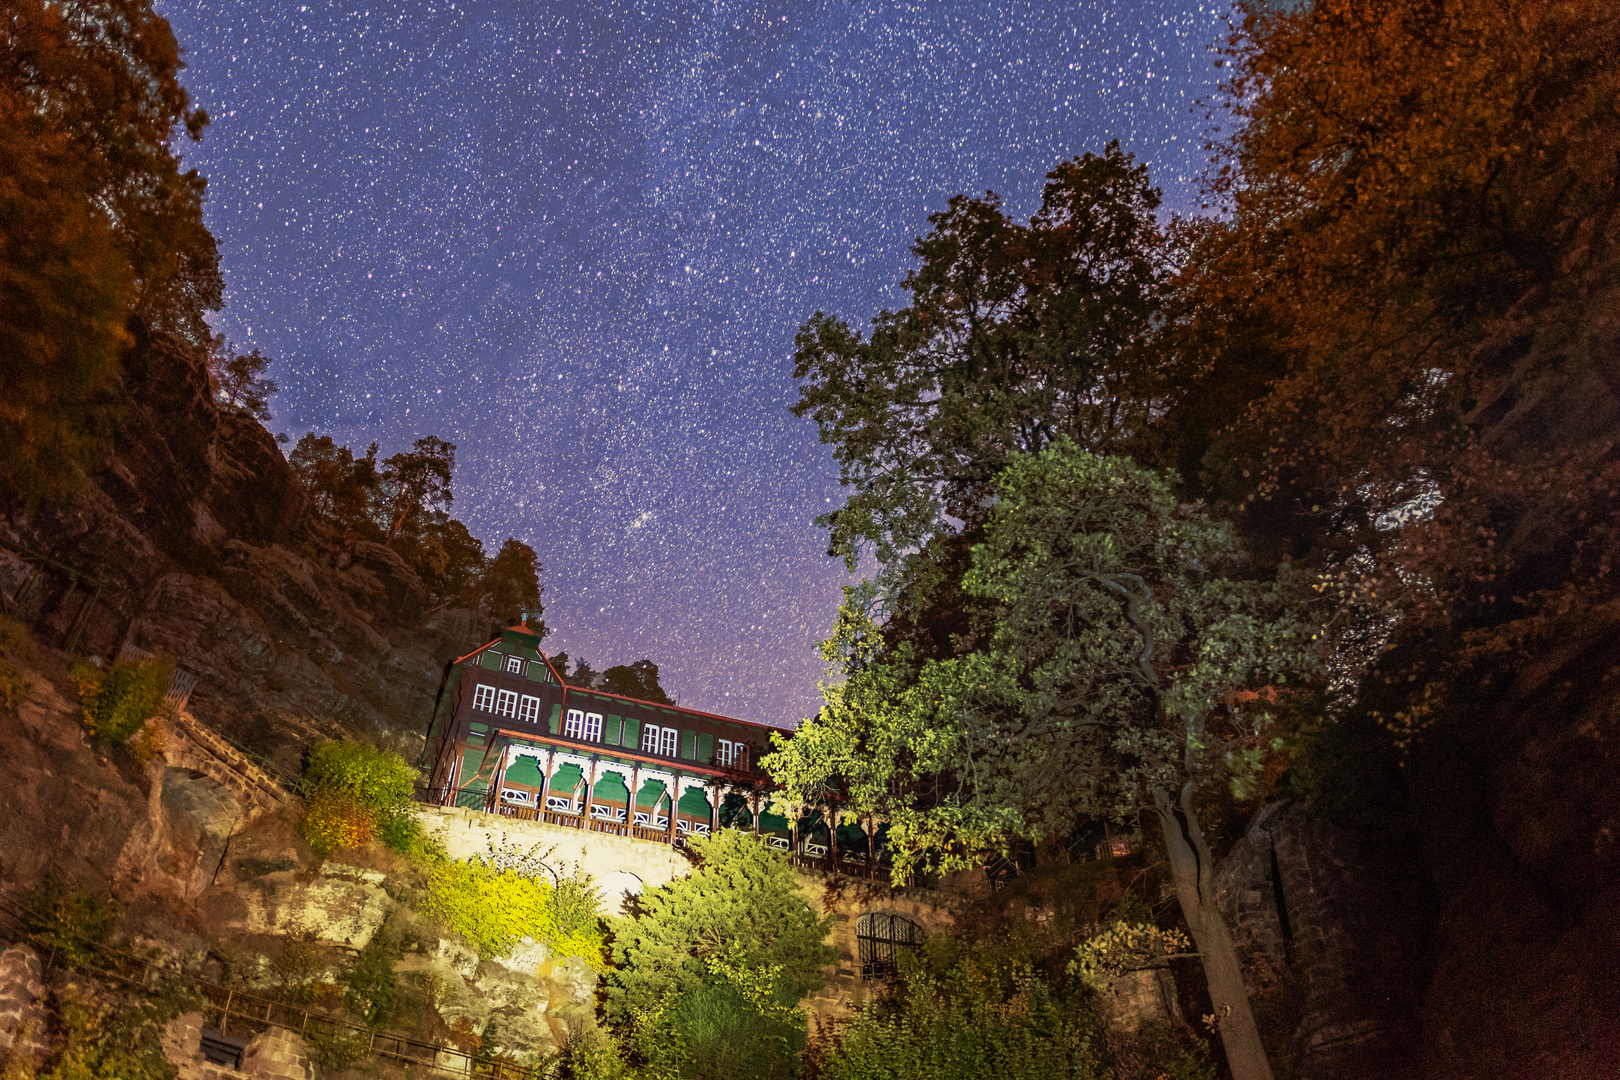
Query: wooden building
[(509, 736)]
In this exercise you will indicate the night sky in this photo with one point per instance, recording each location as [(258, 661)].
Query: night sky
[(576, 240)]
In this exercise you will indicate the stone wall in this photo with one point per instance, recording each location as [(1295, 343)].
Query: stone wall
[(273, 1054), (1319, 920), (22, 1018), (619, 864)]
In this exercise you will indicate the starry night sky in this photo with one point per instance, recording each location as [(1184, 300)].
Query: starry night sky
[(576, 239)]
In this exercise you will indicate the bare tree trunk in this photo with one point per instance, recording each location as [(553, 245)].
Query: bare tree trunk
[(1193, 871)]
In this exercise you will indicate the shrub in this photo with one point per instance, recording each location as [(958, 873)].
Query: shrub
[(67, 921), (118, 699), (354, 793), (14, 687), (372, 986), (968, 1013), (741, 897), (496, 908)]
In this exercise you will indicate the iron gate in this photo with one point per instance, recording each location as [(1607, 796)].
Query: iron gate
[(877, 936)]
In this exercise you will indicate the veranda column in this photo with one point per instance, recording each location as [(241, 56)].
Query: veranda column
[(545, 784), (674, 804), (832, 835), (714, 811), (635, 789), (590, 793), (755, 801)]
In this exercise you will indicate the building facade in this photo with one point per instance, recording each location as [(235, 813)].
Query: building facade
[(509, 736)]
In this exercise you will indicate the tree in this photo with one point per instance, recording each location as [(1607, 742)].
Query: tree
[(511, 585), (739, 905), (417, 480), (449, 559), (239, 379), (637, 680), (1123, 663), (98, 224), (1424, 222), (342, 487), (1015, 336)]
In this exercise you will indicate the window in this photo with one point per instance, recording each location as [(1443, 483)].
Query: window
[(722, 753), (593, 727), (878, 936), (514, 665), (484, 698), (649, 739), (739, 756), (576, 719), (506, 703), (529, 710), (666, 741)]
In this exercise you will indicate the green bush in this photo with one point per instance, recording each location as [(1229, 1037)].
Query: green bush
[(371, 985), (354, 793), (496, 908), (969, 1013), (741, 897), (118, 699), (69, 922)]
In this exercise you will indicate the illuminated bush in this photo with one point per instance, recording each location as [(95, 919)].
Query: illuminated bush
[(494, 909), (354, 793), (118, 699)]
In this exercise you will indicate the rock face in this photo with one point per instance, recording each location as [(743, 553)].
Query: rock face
[(1332, 941), (201, 538)]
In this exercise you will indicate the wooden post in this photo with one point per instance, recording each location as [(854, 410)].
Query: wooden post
[(832, 835), (545, 783), (674, 805), (225, 1013), (714, 812), (590, 794), (635, 789), (755, 803)]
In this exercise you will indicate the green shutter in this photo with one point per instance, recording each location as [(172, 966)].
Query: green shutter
[(491, 660), (525, 770), (556, 718), (610, 729), (649, 795), (695, 804), (689, 745), (705, 751), (535, 672), (631, 733), (610, 787)]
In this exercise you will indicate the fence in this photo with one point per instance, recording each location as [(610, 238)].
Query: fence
[(234, 1008), (845, 864)]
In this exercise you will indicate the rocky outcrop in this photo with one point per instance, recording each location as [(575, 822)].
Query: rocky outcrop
[(1332, 931), (200, 543)]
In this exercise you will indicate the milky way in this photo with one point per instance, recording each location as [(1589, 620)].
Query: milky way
[(576, 240)]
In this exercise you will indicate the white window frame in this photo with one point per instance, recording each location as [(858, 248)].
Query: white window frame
[(725, 752), (514, 665), (484, 698), (576, 718), (506, 702), (649, 738), (669, 742), (593, 727), (529, 710), (739, 756)]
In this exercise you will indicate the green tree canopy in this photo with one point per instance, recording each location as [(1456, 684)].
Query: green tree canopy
[(511, 585), (342, 487), (1123, 659), (417, 481), (239, 379), (1015, 336), (637, 680), (739, 906)]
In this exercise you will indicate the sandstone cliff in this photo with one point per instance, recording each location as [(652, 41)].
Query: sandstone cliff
[(200, 538)]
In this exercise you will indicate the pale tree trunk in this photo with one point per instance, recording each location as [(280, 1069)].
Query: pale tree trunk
[(1193, 872)]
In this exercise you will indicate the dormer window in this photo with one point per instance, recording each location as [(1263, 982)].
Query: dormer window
[(514, 665)]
